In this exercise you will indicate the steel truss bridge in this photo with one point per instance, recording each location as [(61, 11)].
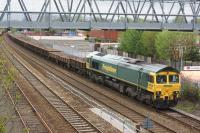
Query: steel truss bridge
[(101, 14)]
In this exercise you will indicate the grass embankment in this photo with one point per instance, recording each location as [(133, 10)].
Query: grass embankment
[(190, 97), (7, 111), (188, 106)]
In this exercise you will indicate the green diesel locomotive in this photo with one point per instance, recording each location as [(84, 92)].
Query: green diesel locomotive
[(154, 84)]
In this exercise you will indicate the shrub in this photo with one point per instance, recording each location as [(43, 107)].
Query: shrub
[(190, 92)]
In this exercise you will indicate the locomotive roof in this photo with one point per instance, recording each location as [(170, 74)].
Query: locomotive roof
[(159, 68), (131, 63)]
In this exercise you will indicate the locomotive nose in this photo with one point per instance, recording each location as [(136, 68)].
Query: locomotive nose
[(169, 93)]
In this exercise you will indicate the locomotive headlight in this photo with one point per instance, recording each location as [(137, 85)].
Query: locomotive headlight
[(158, 93), (176, 92)]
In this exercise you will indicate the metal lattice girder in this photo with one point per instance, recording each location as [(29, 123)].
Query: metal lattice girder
[(113, 14), (6, 8), (24, 9)]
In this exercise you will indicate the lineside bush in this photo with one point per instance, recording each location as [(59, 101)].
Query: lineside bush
[(190, 92)]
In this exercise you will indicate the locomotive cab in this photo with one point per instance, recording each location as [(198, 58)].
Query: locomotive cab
[(166, 88)]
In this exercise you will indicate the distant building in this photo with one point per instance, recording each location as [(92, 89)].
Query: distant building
[(105, 35), (192, 73), (100, 46)]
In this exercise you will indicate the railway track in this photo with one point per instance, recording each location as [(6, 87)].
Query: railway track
[(112, 101), (79, 123), (187, 119), (28, 114)]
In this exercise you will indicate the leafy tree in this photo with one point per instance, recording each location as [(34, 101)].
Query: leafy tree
[(164, 44), (148, 43), (192, 54), (186, 39), (130, 42), (169, 44)]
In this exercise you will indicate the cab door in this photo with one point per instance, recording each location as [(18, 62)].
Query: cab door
[(151, 83), (140, 73), (88, 63)]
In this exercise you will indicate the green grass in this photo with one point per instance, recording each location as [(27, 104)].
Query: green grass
[(187, 106)]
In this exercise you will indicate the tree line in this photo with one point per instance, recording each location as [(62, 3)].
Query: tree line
[(164, 45)]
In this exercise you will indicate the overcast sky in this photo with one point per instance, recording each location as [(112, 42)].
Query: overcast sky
[(36, 5)]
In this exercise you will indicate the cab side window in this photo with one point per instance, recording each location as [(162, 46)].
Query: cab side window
[(95, 65), (151, 79)]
